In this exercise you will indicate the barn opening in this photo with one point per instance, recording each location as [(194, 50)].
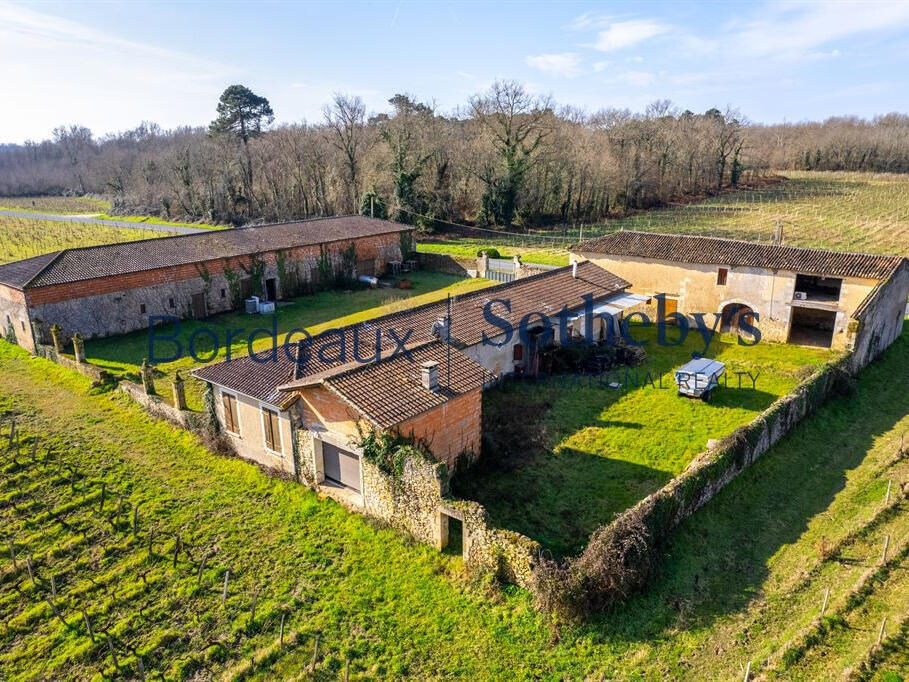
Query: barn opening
[(455, 543), (817, 288), (812, 327)]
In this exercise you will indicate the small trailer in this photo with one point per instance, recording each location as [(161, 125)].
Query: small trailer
[(696, 379)]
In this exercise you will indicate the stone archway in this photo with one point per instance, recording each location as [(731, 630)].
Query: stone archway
[(732, 313)]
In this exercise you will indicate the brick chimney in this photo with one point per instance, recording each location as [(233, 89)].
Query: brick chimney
[(429, 373)]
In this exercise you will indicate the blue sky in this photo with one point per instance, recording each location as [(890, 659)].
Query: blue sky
[(110, 65)]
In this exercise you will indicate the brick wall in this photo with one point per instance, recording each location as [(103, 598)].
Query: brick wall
[(450, 429)]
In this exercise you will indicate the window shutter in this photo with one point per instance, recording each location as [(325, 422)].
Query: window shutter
[(230, 412)]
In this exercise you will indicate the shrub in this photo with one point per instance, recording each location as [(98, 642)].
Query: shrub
[(492, 252)]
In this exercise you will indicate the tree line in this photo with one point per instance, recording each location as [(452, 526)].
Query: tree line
[(506, 158)]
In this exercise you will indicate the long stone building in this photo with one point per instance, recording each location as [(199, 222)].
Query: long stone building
[(112, 289), (802, 296)]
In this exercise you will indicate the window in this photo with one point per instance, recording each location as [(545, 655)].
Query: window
[(223, 293), (22, 322), (231, 422), (518, 353), (721, 275), (170, 302), (141, 308), (272, 429)]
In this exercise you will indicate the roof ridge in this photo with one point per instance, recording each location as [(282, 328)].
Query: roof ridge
[(750, 242), (44, 268)]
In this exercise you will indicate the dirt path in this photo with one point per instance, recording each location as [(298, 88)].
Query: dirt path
[(91, 219)]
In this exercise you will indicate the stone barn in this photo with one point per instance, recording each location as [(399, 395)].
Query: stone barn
[(802, 296), (112, 289)]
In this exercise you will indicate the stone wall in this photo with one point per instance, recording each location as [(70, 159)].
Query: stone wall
[(114, 305), (440, 262), (84, 368), (15, 324), (879, 319), (506, 554)]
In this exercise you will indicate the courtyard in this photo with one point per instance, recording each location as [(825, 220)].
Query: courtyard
[(564, 454)]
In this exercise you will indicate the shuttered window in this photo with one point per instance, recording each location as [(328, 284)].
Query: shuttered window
[(231, 423), (272, 429), (518, 352), (721, 275)]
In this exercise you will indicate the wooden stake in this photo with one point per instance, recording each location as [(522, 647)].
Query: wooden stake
[(315, 654), (177, 550), (135, 519), (201, 568), (113, 653), (141, 668), (826, 597), (12, 555), (53, 586), (281, 635), (748, 671), (88, 625), (347, 669), (103, 495), (252, 610), (28, 565), (887, 497), (880, 633), (886, 546), (226, 581)]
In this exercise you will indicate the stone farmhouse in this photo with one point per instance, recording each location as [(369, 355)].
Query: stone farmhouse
[(802, 296), (112, 289), (304, 411)]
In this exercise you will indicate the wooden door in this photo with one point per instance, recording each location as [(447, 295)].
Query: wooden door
[(199, 307)]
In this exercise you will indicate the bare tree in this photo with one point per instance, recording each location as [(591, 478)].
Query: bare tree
[(346, 119)]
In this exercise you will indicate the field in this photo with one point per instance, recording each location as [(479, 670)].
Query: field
[(57, 205), (315, 313), (743, 580), (468, 248), (27, 237), (611, 447), (843, 211)]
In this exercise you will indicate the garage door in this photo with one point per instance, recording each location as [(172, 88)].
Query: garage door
[(341, 466)]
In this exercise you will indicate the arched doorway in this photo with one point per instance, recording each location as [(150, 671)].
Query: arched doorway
[(732, 313)]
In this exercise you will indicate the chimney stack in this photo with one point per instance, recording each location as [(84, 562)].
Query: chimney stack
[(574, 269), (429, 372)]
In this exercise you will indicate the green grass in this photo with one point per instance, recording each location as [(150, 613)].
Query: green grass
[(154, 220), (739, 578), (26, 237), (605, 449), (315, 313), (57, 205), (841, 211), (468, 248)]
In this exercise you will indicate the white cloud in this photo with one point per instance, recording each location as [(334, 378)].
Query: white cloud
[(793, 30), (563, 64), (636, 78), (622, 34), (589, 20), (601, 66)]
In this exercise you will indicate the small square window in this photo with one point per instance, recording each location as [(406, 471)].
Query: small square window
[(170, 302), (721, 276), (141, 308), (223, 293), (518, 352), (22, 322)]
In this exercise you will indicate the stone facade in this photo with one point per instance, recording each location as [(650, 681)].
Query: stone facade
[(124, 303), (695, 288), (15, 324)]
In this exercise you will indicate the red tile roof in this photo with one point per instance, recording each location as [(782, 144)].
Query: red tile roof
[(90, 262), (737, 252), (547, 292)]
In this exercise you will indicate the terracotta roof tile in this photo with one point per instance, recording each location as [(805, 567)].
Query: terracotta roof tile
[(736, 252), (74, 265)]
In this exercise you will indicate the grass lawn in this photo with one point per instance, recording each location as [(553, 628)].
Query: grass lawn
[(57, 205), (468, 248), (315, 313), (740, 578), (154, 220), (603, 449), (26, 237)]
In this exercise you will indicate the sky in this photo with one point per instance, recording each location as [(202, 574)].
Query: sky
[(111, 65)]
